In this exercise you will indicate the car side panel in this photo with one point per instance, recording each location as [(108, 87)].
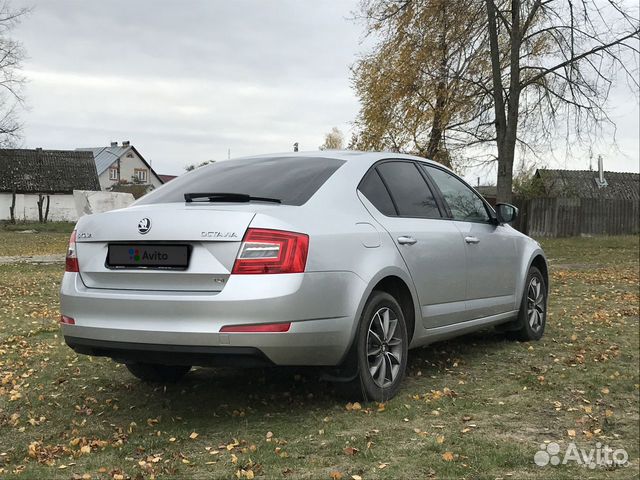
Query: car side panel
[(348, 240), (437, 265), (493, 268)]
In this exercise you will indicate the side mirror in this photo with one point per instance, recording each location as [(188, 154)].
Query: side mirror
[(506, 213)]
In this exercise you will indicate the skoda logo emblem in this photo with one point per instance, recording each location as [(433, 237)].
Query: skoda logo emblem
[(144, 226)]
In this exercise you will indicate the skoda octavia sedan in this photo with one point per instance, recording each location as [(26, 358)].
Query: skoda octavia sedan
[(335, 259)]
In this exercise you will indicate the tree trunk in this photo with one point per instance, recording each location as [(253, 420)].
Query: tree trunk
[(498, 98), (46, 212), (40, 202), (12, 208), (506, 110), (438, 124), (435, 136), (505, 181)]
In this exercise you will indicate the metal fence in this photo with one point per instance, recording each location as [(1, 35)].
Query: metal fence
[(566, 217)]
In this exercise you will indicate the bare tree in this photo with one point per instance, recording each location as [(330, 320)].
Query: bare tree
[(334, 140), (43, 207), (482, 78), (553, 64), (193, 166), (11, 80)]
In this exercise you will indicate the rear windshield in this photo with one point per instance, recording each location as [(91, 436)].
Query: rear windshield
[(292, 180)]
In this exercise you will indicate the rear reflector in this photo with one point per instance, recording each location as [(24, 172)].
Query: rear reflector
[(271, 251), (71, 262), (67, 320), (259, 328)]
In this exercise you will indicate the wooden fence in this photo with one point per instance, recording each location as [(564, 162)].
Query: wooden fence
[(566, 217)]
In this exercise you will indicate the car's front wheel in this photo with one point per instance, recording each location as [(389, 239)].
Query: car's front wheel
[(532, 318), (381, 348), (153, 372)]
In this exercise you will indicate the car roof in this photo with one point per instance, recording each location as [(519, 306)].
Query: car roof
[(345, 155)]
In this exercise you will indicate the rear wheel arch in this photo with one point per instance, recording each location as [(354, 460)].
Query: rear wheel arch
[(391, 281), (398, 289), (350, 369)]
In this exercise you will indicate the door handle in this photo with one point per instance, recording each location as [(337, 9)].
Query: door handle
[(406, 240), (472, 239)]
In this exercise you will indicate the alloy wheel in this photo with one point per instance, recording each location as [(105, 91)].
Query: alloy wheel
[(384, 347), (535, 304)]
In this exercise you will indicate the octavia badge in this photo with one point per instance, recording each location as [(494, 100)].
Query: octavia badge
[(144, 226)]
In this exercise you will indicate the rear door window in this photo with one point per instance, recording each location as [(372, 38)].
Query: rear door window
[(375, 191), (292, 180), (409, 190)]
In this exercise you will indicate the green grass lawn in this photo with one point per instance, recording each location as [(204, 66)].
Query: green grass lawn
[(476, 407), (31, 238)]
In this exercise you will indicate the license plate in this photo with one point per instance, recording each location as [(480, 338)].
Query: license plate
[(148, 256)]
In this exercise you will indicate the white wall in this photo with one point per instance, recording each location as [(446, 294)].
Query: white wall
[(103, 178), (62, 208), (127, 170), (88, 202)]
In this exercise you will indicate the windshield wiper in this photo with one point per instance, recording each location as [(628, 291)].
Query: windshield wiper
[(228, 197)]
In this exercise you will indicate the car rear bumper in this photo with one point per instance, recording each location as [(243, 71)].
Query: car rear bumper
[(205, 355), (129, 324)]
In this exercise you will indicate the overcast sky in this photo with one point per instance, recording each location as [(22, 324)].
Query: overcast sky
[(186, 81)]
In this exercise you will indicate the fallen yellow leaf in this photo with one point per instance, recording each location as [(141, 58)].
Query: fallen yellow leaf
[(447, 456)]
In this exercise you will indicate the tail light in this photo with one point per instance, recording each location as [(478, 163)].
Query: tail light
[(257, 328), (272, 251), (71, 264)]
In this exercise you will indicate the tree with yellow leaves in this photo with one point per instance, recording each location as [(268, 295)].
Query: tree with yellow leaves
[(423, 87)]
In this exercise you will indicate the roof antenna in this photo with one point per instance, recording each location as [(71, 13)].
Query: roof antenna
[(295, 147), (228, 154)]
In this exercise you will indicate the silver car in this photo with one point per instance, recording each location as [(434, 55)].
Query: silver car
[(338, 259)]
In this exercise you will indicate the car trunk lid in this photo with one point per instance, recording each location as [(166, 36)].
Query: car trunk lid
[(212, 236)]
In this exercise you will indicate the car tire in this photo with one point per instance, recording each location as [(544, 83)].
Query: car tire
[(532, 317), (381, 348), (153, 372)]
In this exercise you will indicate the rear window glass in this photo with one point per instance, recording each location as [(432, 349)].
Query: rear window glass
[(292, 180)]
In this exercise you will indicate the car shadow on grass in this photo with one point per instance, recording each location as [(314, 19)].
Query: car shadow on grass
[(239, 391)]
